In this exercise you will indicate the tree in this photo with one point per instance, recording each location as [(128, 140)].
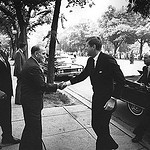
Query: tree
[(120, 26), (140, 6), (143, 36), (74, 38), (50, 75), (116, 29), (20, 12), (53, 37)]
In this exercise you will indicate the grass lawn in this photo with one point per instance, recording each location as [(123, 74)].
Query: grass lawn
[(58, 99)]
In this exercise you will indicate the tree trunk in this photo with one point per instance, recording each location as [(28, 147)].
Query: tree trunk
[(50, 75), (115, 50), (141, 49)]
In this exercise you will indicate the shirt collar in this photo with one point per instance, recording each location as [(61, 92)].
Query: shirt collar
[(35, 60), (96, 57), (20, 50), (38, 63)]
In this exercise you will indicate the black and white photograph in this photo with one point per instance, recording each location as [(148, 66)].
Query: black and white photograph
[(75, 74)]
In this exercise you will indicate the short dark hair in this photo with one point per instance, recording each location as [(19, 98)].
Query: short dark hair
[(94, 40), (34, 49)]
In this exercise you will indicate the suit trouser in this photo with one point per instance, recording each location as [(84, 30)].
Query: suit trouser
[(144, 123), (100, 124), (5, 117), (18, 92), (32, 134)]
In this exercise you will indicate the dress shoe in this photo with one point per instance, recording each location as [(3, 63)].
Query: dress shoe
[(115, 146), (110, 147), (11, 140), (136, 139)]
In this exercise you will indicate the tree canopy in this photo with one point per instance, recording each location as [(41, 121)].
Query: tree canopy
[(140, 6)]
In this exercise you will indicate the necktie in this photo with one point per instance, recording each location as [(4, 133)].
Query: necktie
[(148, 70), (93, 63)]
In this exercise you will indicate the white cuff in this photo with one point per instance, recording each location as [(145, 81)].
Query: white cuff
[(68, 83), (113, 98)]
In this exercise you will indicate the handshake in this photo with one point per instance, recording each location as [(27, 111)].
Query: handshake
[(62, 85)]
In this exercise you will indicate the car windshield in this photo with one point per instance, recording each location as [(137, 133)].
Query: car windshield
[(63, 59)]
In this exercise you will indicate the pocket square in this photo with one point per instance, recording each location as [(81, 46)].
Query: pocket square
[(100, 71)]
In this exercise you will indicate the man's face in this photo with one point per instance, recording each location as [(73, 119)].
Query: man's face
[(90, 50), (147, 60), (41, 56)]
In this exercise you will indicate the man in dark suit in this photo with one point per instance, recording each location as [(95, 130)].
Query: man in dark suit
[(103, 70), (19, 58), (140, 130), (5, 105), (32, 88)]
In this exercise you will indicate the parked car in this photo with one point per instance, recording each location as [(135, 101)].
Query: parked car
[(135, 95), (65, 67)]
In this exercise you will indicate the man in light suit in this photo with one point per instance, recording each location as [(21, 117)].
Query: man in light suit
[(33, 86), (142, 127), (103, 71), (19, 62), (5, 105)]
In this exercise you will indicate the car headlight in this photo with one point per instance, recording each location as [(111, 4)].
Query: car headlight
[(60, 71), (80, 69)]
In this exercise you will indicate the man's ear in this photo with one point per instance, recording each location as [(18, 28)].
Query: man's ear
[(94, 47), (36, 53)]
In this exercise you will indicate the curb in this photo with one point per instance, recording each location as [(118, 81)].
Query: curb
[(88, 103)]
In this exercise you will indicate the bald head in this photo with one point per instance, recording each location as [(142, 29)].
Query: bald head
[(39, 53)]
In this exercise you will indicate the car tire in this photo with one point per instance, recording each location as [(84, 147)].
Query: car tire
[(135, 110)]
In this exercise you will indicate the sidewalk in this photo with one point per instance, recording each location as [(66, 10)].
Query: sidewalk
[(69, 128)]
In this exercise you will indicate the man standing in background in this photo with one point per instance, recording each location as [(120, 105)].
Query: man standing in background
[(143, 126), (19, 62), (5, 105)]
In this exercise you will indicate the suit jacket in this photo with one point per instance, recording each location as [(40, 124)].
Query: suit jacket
[(5, 78), (19, 62), (103, 76), (145, 77), (33, 84)]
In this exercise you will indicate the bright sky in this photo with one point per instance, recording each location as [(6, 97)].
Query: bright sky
[(93, 13)]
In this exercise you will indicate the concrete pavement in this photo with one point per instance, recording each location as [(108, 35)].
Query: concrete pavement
[(69, 128)]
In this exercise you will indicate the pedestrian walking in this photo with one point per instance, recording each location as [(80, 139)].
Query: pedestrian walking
[(103, 71)]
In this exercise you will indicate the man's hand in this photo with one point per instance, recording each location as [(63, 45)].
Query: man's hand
[(62, 85), (110, 105)]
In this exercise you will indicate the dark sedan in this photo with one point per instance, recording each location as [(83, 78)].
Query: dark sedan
[(136, 95), (65, 67)]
